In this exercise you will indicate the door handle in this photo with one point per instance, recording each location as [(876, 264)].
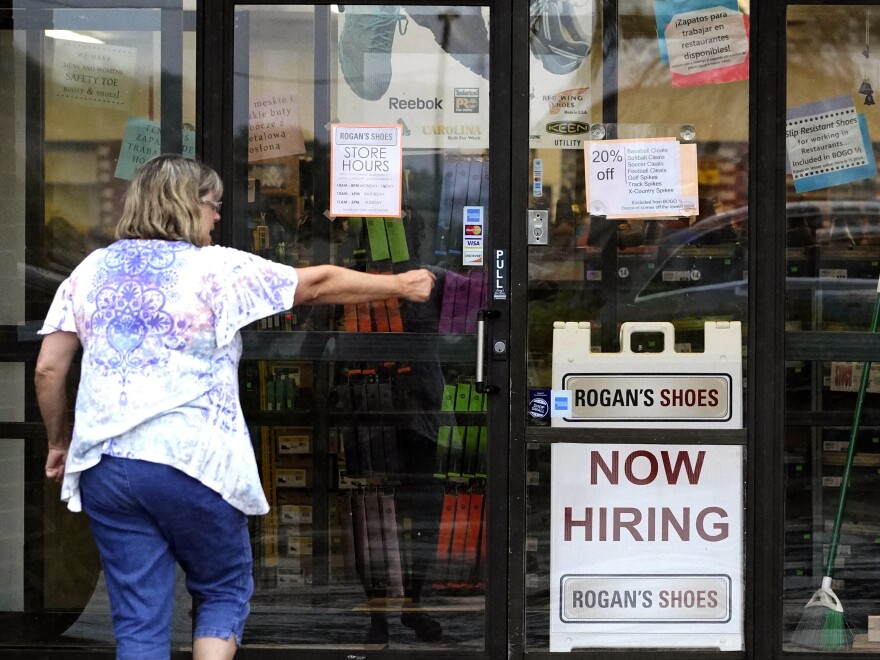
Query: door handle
[(480, 381)]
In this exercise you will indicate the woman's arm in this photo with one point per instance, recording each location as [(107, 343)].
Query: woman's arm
[(331, 284), (50, 380)]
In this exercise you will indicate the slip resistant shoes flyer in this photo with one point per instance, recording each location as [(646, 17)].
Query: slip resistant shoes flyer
[(556, 37), (460, 31), (365, 48)]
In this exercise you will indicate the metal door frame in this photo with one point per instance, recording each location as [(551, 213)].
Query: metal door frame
[(215, 114)]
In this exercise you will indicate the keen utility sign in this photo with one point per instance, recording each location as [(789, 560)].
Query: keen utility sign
[(632, 389)]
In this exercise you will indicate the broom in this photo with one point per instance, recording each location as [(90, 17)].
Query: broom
[(822, 625)]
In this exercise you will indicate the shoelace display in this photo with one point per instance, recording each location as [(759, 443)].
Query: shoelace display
[(365, 49), (379, 24)]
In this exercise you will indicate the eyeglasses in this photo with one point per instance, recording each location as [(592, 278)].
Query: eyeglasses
[(214, 206)]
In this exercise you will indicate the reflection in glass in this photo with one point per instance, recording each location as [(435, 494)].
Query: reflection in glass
[(371, 435), (832, 268), (686, 270), (70, 91)]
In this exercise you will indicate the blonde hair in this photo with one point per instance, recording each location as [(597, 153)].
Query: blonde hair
[(164, 200)]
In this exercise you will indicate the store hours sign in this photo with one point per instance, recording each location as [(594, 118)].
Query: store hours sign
[(366, 170), (646, 546)]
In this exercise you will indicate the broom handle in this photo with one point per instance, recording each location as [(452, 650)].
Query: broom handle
[(851, 450)]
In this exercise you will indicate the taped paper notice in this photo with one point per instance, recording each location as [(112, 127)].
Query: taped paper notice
[(142, 141), (93, 74), (652, 177), (706, 40), (274, 129), (646, 534), (828, 144), (366, 170)]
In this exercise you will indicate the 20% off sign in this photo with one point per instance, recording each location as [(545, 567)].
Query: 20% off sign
[(637, 178)]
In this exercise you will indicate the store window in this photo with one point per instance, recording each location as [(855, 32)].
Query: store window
[(832, 437), (88, 94), (370, 423), (638, 233)]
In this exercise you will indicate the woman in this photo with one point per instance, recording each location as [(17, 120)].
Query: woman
[(159, 456)]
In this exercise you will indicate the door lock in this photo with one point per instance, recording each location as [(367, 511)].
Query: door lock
[(538, 227)]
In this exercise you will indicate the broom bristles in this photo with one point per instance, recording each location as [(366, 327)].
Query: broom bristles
[(837, 633), (823, 629)]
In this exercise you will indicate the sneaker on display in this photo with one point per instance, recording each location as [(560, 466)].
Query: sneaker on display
[(556, 36), (365, 48)]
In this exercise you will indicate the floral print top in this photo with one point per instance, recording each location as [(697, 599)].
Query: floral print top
[(158, 322)]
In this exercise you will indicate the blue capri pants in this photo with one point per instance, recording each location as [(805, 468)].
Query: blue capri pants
[(144, 518)]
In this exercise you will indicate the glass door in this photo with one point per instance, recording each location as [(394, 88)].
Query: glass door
[(636, 197), (88, 94), (361, 138)]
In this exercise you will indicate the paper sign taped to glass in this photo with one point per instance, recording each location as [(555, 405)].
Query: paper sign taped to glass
[(706, 45), (828, 144), (646, 546), (641, 178), (142, 141), (629, 389)]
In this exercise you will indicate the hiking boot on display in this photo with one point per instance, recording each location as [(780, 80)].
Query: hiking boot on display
[(365, 48), (556, 36)]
